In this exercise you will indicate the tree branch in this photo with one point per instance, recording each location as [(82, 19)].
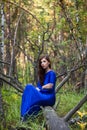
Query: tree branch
[(4, 62), (68, 19), (27, 11), (72, 70), (13, 83), (63, 82)]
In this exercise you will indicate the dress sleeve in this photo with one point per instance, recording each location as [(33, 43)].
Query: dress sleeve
[(53, 77), (39, 85)]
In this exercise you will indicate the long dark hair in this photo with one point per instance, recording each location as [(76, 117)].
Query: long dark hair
[(41, 71)]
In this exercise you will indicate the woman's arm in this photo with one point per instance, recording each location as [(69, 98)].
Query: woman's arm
[(48, 86)]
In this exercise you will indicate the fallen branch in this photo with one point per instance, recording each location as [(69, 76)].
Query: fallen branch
[(54, 122), (77, 107), (16, 86)]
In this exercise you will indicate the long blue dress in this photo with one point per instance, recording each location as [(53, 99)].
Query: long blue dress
[(32, 99)]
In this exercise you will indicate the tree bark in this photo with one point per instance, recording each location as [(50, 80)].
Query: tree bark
[(2, 122), (63, 82), (53, 122)]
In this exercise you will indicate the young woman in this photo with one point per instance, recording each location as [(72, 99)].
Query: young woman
[(42, 95)]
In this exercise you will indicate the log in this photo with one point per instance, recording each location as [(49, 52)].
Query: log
[(53, 122)]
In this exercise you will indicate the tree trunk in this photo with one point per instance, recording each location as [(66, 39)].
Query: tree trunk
[(53, 122), (2, 122)]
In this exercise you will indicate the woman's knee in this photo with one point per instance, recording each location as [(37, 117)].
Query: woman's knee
[(28, 86)]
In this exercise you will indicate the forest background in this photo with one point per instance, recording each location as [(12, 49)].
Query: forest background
[(29, 28)]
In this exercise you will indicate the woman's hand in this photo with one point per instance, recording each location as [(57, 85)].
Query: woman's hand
[(37, 88)]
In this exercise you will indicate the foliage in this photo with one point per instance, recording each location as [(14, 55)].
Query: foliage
[(56, 28), (12, 102), (45, 26), (83, 119)]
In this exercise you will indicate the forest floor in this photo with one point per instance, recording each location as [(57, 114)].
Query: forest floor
[(67, 100)]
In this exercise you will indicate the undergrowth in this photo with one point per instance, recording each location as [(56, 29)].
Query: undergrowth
[(12, 100)]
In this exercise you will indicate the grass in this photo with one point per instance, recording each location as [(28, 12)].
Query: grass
[(68, 101), (12, 101)]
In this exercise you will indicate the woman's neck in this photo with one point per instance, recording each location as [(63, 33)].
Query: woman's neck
[(47, 70)]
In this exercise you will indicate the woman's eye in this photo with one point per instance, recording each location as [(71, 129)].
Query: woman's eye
[(43, 62)]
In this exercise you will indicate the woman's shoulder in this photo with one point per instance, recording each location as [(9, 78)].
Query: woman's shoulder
[(51, 72)]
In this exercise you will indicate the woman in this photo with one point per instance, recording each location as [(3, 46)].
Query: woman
[(42, 95)]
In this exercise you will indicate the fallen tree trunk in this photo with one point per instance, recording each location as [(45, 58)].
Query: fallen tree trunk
[(53, 122)]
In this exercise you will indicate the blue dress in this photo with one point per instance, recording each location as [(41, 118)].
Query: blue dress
[(32, 99)]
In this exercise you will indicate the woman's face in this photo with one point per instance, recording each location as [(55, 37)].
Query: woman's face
[(45, 63)]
